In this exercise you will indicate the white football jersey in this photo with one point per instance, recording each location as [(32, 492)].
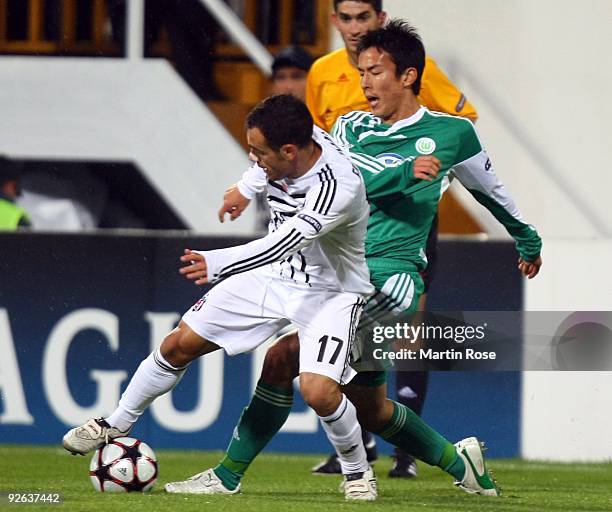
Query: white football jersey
[(317, 230)]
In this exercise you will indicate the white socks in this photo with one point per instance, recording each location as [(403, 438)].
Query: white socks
[(154, 377), (344, 433)]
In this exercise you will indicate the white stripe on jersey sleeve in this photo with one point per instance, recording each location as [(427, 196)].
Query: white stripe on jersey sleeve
[(338, 131), (366, 162)]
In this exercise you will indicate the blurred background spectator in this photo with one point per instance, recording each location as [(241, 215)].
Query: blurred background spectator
[(12, 216), (70, 199), (289, 71)]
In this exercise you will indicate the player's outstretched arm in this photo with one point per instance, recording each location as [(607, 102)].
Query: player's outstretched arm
[(326, 206), (477, 175)]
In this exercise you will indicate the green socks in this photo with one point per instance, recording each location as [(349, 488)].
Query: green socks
[(259, 422), (452, 463), (409, 432), (270, 408)]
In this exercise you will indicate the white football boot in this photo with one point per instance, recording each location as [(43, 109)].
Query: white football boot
[(90, 436), (477, 478), (360, 489), (206, 482)]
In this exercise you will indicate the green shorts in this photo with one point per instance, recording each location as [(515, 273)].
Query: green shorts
[(397, 280), (398, 289)]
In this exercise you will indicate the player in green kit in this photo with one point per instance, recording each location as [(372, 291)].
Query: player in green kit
[(407, 156), (384, 148)]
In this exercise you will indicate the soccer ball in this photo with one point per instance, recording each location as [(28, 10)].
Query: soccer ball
[(123, 465)]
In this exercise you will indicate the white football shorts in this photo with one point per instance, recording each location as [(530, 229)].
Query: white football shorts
[(242, 312)]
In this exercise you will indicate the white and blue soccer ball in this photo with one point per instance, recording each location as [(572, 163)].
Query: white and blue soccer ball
[(124, 464)]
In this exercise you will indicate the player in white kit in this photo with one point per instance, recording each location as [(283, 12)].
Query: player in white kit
[(309, 270)]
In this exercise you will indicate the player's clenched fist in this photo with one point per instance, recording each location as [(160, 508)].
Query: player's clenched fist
[(234, 203), (195, 268), (426, 168), (530, 269)]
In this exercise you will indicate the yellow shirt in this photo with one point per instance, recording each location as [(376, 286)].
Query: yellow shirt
[(333, 89)]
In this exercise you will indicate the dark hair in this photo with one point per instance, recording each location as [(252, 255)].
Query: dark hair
[(402, 42), (377, 4), (283, 119), (292, 57)]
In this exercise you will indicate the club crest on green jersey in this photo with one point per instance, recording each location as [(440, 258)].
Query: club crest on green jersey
[(425, 146)]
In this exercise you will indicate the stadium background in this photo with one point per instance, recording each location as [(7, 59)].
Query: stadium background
[(77, 309)]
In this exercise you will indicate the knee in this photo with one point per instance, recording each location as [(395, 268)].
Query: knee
[(281, 364), (321, 393), (182, 345)]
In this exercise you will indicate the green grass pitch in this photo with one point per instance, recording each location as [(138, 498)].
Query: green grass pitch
[(278, 482)]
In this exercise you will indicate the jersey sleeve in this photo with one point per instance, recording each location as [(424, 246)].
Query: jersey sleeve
[(338, 133), (476, 174), (254, 180), (326, 207), (439, 94)]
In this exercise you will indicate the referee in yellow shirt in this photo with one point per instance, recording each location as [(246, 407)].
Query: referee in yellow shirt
[(333, 89)]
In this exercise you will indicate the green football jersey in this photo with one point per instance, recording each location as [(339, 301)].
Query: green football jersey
[(402, 207)]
